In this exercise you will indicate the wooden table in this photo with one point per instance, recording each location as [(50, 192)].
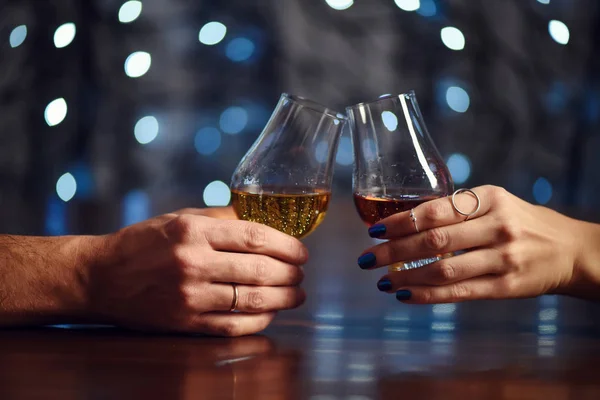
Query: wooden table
[(347, 342)]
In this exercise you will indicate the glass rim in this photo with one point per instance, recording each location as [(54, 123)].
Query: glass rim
[(314, 106), (410, 93)]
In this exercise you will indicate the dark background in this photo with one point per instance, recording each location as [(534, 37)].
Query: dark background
[(532, 122)]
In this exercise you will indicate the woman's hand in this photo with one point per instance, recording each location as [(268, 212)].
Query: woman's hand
[(513, 250), (175, 273)]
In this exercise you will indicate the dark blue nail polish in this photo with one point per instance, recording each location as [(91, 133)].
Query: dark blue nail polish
[(384, 285), (403, 295), (367, 261), (377, 230)]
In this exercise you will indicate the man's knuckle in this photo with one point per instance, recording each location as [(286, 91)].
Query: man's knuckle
[(255, 236), (229, 328), (510, 257), (181, 227), (262, 272), (255, 300), (437, 239)]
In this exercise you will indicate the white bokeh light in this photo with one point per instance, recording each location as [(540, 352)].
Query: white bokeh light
[(212, 33), (453, 38), (544, 1), (17, 36), (458, 99), (138, 64), (56, 112), (408, 5), (559, 31), (340, 4), (130, 11), (217, 194), (64, 35), (146, 129), (66, 187)]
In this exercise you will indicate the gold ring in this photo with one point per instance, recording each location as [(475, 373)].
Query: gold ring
[(414, 219), (234, 302), (468, 215)]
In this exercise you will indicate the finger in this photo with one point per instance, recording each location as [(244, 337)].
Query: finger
[(230, 324), (251, 237), (433, 214), (255, 299), (431, 243), (449, 270), (212, 212), (254, 269), (482, 288)]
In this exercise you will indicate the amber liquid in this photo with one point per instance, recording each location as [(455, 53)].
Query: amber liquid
[(373, 209), (296, 214)]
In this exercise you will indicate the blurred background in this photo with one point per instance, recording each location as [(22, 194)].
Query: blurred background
[(113, 111)]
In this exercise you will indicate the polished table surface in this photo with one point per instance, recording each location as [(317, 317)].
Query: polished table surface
[(347, 342)]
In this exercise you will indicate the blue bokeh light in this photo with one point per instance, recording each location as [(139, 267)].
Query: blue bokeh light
[(56, 217), (542, 191), (460, 167), (344, 154), (136, 207), (217, 194), (207, 140), (233, 120), (240, 49), (17, 36), (427, 8), (458, 99), (389, 120), (322, 151)]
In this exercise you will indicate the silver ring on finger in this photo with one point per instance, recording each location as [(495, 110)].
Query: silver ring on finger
[(234, 301), (458, 210), (413, 217)]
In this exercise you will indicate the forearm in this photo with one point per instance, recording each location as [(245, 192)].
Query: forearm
[(43, 280)]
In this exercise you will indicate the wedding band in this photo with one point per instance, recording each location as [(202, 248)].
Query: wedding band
[(234, 302), (414, 219), (468, 215)]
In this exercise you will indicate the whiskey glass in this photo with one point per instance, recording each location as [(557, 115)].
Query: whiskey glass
[(397, 166), (284, 180)]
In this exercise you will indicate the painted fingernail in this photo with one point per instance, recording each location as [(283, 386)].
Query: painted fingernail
[(384, 285), (377, 230), (403, 295), (367, 260)]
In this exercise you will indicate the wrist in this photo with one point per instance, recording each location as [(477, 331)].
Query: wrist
[(585, 280)]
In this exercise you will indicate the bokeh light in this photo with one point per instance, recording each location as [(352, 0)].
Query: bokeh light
[(344, 154), (56, 112), (542, 190), (146, 129), (17, 36), (136, 207), (427, 8), (460, 167), (233, 120), (559, 31), (457, 99), (452, 38), (138, 64), (207, 141), (544, 1), (389, 120), (408, 5), (130, 11), (340, 4), (212, 33), (66, 187), (64, 35), (322, 151), (217, 194), (56, 217), (240, 49)]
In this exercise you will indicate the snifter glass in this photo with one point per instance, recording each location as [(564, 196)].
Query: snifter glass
[(284, 181), (397, 166)]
